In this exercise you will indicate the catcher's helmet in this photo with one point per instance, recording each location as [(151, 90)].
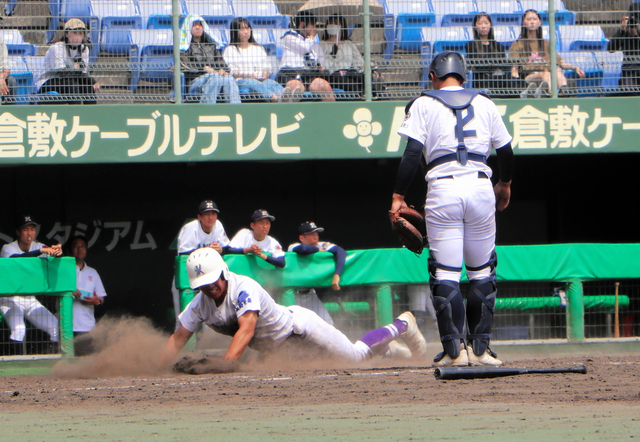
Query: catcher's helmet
[(205, 266), (448, 62)]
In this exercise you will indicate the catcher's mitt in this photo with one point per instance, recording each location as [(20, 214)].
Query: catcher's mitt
[(410, 227), (205, 364)]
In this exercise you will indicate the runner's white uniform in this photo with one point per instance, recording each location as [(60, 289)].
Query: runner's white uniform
[(460, 210), (244, 238), (88, 279), (16, 308), (275, 325), (190, 238)]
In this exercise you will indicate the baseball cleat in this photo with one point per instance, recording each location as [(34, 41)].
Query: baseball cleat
[(397, 351), (444, 360), (413, 337), (488, 358)]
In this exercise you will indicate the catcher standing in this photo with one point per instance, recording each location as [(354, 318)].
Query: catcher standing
[(454, 130)]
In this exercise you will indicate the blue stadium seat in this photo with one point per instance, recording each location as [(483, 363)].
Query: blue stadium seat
[(156, 14), (260, 13), (15, 43), (502, 34), (150, 55), (454, 12), (24, 79), (582, 38), (502, 12), (265, 37), (114, 20), (217, 13), (591, 84), (611, 63), (436, 40), (563, 16), (403, 22)]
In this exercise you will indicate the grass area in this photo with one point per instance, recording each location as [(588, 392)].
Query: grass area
[(24, 367)]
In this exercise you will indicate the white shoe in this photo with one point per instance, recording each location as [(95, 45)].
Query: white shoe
[(444, 360), (413, 337), (488, 358), (397, 351)]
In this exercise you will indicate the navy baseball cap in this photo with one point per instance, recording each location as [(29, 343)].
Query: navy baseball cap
[(25, 220), (309, 227), (261, 214), (207, 206)]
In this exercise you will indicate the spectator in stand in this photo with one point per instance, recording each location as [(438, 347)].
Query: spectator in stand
[(16, 308), (302, 63), (67, 67), (249, 63), (486, 58), (627, 40), (7, 82), (530, 55), (206, 72), (89, 293)]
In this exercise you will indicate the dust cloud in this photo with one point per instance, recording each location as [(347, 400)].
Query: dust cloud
[(124, 346)]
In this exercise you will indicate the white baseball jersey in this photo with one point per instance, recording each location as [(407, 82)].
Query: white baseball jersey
[(324, 246), (275, 324), (433, 124), (87, 279), (460, 207), (244, 238), (13, 248), (192, 237)]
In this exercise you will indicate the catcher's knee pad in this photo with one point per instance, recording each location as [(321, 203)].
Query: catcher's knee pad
[(449, 306), (481, 301)]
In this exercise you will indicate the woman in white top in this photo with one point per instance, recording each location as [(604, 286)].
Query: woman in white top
[(342, 58), (249, 63), (67, 67)]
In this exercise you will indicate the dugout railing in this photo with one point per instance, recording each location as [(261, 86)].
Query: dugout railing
[(47, 278), (563, 291)]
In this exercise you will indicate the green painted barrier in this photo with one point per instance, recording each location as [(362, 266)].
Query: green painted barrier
[(603, 303), (350, 307), (44, 277)]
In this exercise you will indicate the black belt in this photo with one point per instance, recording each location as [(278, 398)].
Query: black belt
[(480, 175), (454, 157)]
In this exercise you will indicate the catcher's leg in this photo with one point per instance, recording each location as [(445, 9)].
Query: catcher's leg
[(449, 306), (481, 300)]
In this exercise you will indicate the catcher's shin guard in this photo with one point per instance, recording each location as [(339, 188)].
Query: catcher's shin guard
[(481, 301), (449, 306)]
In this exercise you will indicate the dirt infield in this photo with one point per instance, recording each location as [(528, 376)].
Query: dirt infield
[(285, 403), (118, 395)]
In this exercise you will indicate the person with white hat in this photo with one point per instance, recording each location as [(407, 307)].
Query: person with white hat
[(67, 67)]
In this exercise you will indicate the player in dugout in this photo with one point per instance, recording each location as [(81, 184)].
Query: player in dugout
[(238, 306)]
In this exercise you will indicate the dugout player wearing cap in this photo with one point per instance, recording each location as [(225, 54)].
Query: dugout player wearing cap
[(205, 231), (236, 305), (309, 236), (452, 131), (257, 241), (16, 308)]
